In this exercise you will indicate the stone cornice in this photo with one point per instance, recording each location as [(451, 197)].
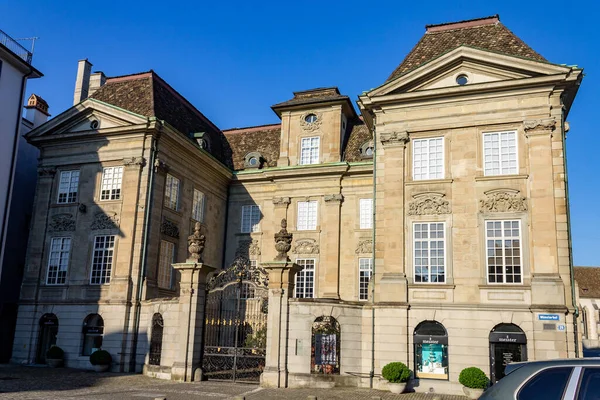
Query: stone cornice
[(392, 139), (536, 127), (334, 198), (133, 162), (281, 201)]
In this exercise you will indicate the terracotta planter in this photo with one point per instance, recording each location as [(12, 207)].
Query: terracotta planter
[(472, 393), (397, 388), (54, 362), (101, 367)]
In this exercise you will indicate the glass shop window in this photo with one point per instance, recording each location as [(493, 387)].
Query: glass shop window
[(431, 350)]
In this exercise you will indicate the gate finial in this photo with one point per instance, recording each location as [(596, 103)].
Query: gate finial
[(196, 243), (283, 242)]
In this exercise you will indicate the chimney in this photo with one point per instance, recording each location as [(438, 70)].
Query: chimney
[(37, 110), (97, 79), (82, 84)]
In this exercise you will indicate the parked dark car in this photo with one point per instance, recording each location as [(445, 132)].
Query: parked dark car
[(569, 379)]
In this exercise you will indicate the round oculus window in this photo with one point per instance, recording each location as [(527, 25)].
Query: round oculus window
[(95, 124), (253, 161), (369, 151), (462, 79), (310, 118)]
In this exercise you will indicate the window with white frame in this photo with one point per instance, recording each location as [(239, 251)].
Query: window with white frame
[(58, 261), (366, 213), (165, 269), (305, 279), (365, 270), (172, 192), (309, 150), (503, 248), (104, 247), (500, 153), (198, 206), (250, 219), (67, 187), (429, 252), (112, 179), (307, 216), (428, 158)]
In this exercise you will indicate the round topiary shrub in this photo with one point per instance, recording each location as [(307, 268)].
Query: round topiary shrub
[(100, 357), (473, 378), (55, 353), (396, 372)]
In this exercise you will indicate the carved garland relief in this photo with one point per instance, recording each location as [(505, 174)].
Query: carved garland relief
[(62, 223), (169, 228), (306, 246), (429, 204), (105, 221), (365, 246), (503, 200)]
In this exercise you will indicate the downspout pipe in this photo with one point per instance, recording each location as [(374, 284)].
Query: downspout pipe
[(373, 237), (144, 258)]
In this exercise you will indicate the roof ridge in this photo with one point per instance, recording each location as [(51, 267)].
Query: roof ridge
[(250, 128), (467, 23)]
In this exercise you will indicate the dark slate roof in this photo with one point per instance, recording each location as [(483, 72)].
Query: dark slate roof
[(483, 33), (318, 95), (588, 280), (359, 135), (264, 139), (149, 95)]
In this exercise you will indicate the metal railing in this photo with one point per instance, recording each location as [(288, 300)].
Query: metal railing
[(15, 47)]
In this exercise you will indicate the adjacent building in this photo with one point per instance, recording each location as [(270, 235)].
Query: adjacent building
[(430, 228), (588, 282)]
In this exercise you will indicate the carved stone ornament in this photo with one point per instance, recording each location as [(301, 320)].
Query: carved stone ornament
[(503, 200), (547, 124), (134, 162), (283, 242), (364, 246), (428, 204), (62, 223), (394, 138), (254, 248), (160, 166), (281, 201), (306, 246), (332, 198), (169, 228), (47, 172), (196, 243), (104, 220), (311, 126)]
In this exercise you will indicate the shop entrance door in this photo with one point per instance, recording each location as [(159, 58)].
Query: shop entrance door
[(47, 337), (502, 355)]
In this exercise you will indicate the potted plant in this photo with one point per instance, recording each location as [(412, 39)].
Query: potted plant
[(474, 382), (101, 360), (55, 356), (397, 374)]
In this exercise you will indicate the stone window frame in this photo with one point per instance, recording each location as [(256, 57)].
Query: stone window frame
[(249, 156), (58, 185), (409, 163), (525, 247), (522, 150), (201, 215), (409, 256), (320, 147), (315, 279), (444, 156), (113, 261), (360, 212), (70, 254), (370, 269), (363, 148), (517, 152), (253, 227), (101, 184), (297, 219), (168, 203), (160, 264)]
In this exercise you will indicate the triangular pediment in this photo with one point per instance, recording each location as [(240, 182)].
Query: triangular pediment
[(478, 66), (89, 117)]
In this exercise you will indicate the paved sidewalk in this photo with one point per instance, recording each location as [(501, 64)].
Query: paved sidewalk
[(42, 383)]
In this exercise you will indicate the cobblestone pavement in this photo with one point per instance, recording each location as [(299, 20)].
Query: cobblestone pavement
[(18, 382)]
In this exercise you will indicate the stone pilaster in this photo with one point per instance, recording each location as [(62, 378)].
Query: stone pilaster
[(281, 287), (192, 297), (330, 254)]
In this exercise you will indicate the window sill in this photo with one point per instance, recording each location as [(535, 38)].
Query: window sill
[(428, 182), (500, 177), (109, 201), (64, 204), (300, 232), (249, 233), (431, 285), (176, 212), (505, 286)]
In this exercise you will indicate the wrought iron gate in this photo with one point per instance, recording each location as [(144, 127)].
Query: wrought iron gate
[(235, 330)]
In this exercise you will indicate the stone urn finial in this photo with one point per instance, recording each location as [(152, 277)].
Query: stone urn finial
[(283, 242), (196, 243)]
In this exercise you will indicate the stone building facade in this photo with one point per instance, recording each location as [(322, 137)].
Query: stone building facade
[(588, 282), (448, 189)]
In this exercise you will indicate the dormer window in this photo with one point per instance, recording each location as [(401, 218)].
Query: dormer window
[(366, 150), (202, 139), (253, 160), (311, 118), (462, 79)]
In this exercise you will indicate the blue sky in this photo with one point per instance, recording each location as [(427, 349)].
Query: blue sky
[(235, 59)]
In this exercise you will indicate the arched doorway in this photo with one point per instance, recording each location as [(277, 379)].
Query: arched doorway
[(47, 336), (326, 343), (156, 338), (431, 350), (93, 332), (508, 343)]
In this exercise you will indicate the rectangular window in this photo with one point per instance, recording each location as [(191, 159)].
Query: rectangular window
[(172, 192), (503, 242), (165, 269), (305, 279), (309, 150), (365, 269), (307, 216), (366, 213), (67, 187), (250, 219), (198, 206), (428, 159), (58, 261), (500, 153), (112, 178), (429, 252), (104, 247)]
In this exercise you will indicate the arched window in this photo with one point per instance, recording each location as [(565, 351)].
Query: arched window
[(156, 337), (508, 343), (431, 350), (584, 322), (93, 330), (47, 336), (325, 346)]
